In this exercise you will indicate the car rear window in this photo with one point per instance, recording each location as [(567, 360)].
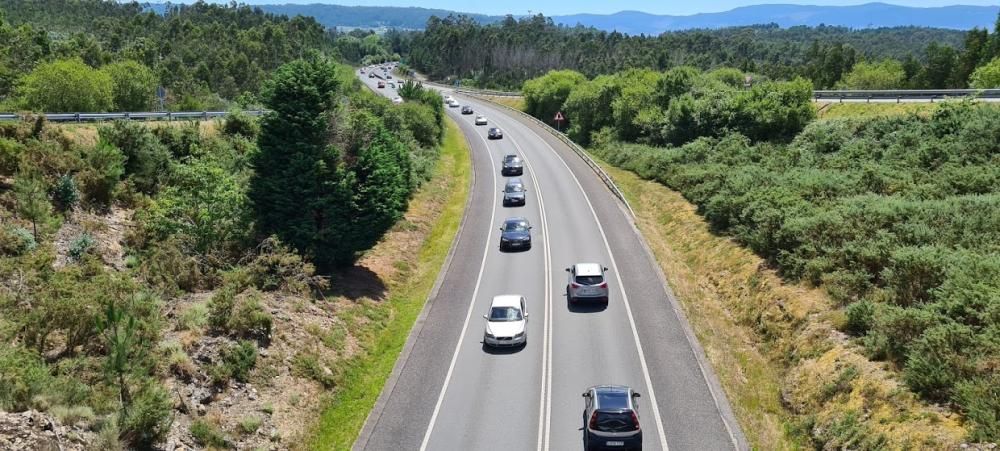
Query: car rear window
[(615, 422), (514, 188), (589, 280)]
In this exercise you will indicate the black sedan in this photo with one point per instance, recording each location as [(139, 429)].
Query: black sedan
[(495, 133), (467, 110), (512, 165), (515, 234)]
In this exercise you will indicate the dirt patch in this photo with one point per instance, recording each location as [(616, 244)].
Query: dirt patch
[(107, 233), (33, 430)]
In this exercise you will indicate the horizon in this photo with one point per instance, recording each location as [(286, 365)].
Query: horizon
[(599, 7)]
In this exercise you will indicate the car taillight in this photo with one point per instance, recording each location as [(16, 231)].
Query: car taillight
[(603, 285), (574, 285), (593, 420), (635, 420)]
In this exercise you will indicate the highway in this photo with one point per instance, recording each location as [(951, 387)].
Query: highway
[(449, 392)]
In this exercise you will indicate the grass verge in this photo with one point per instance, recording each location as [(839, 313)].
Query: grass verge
[(364, 376)]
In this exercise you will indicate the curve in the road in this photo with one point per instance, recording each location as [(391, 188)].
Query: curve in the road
[(472, 399)]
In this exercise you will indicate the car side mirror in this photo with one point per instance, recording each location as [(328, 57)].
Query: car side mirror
[(586, 394), (567, 269), (530, 227), (501, 229), (636, 395), (527, 315), (605, 268), (485, 317)]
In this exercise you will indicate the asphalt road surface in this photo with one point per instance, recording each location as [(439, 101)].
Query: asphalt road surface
[(449, 392)]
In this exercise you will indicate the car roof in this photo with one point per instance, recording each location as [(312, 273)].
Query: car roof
[(506, 300), (588, 269)]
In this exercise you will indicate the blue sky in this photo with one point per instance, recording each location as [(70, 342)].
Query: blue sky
[(554, 7)]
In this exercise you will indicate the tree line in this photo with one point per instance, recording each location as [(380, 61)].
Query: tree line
[(95, 55), (505, 54)]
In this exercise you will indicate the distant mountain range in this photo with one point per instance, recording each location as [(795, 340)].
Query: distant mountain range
[(870, 15)]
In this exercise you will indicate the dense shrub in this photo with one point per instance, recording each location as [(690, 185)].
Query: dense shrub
[(147, 161), (238, 123), (895, 216), (104, 167), (681, 105), (148, 417), (239, 314), (65, 194)]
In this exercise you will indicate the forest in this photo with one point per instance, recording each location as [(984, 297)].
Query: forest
[(96, 55), (505, 54)]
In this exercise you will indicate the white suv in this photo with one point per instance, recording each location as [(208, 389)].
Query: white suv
[(507, 322), (586, 281)]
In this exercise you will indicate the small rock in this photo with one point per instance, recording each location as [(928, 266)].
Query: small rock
[(201, 409)]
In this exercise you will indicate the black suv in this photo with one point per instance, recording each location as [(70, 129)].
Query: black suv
[(467, 109), (515, 234), (495, 133), (512, 165), (513, 192), (611, 418)]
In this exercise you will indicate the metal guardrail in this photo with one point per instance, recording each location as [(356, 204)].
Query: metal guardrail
[(575, 147), (906, 94), (158, 115)]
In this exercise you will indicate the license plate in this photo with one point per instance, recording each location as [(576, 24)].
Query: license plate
[(616, 443)]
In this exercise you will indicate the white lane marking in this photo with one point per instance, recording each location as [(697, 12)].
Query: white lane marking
[(545, 396), (468, 315), (621, 287)]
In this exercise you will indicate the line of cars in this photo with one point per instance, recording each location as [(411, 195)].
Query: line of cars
[(611, 412)]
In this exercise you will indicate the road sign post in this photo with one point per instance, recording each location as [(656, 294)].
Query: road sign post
[(559, 120)]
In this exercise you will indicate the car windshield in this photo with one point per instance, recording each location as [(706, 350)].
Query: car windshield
[(505, 314), (513, 161), (514, 188), (589, 280), (521, 226)]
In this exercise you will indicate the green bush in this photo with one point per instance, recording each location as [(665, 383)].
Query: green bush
[(15, 241), (238, 123), (147, 161), (239, 315), (81, 246), (147, 420), (10, 156), (65, 194), (66, 86), (208, 435), (105, 165), (240, 359)]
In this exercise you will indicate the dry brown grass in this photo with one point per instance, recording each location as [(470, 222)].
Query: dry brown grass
[(516, 103), (772, 344), (85, 134)]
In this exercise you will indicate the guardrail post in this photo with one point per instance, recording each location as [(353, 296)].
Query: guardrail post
[(869, 99), (841, 98), (128, 116), (205, 114), (899, 99), (77, 116)]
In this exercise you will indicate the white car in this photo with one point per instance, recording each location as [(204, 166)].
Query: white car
[(507, 321), (587, 281), (397, 100), (453, 103), (480, 120), (448, 99)]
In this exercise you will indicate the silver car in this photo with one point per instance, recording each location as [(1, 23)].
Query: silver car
[(587, 281), (507, 321)]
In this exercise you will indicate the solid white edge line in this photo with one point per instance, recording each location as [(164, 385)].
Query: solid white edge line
[(545, 400), (468, 315), (621, 287)]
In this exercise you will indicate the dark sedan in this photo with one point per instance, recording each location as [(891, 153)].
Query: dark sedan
[(513, 193), (467, 110), (495, 133), (512, 165), (515, 234)]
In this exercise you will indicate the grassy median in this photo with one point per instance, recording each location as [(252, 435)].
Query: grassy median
[(434, 215)]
